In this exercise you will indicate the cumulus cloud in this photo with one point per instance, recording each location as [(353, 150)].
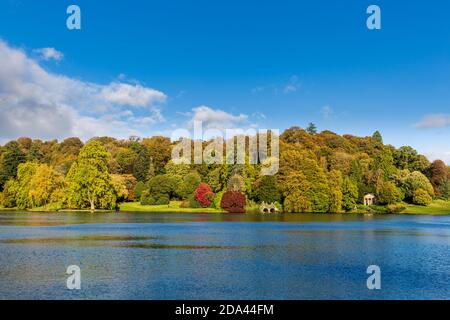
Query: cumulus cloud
[(215, 118), (132, 95), (40, 104), (434, 121), (49, 54)]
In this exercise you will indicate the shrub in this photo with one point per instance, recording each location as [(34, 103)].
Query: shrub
[(148, 199), (218, 200), (416, 181), (188, 185), (233, 202), (204, 195), (388, 193), (252, 207), (162, 184), (422, 198), (279, 206), (160, 188), (395, 208), (184, 204), (193, 203), (140, 187), (162, 199)]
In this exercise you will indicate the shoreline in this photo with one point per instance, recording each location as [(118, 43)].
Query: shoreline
[(438, 207)]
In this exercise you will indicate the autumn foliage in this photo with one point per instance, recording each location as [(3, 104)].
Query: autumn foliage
[(204, 195), (233, 202)]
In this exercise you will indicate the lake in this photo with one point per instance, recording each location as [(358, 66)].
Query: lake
[(219, 256)]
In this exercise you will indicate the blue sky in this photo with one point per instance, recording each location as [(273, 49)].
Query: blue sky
[(269, 64)]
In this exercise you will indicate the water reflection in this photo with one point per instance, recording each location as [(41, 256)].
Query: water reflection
[(67, 218), (213, 256)]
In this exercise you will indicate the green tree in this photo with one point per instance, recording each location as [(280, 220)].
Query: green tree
[(142, 165), (422, 197), (311, 129), (377, 136), (63, 155), (9, 162), (43, 184), (160, 152), (445, 189), (349, 194), (215, 179), (388, 193), (335, 181), (300, 161), (160, 189), (177, 170), (407, 158), (189, 183), (296, 193), (8, 196), (266, 189), (25, 173), (140, 187), (89, 181), (126, 158), (416, 181), (35, 153), (120, 187), (383, 163)]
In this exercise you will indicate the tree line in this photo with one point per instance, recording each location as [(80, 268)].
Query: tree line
[(318, 172)]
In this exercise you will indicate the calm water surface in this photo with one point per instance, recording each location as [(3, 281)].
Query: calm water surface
[(213, 256)]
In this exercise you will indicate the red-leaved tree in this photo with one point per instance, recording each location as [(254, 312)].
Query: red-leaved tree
[(204, 195), (233, 202)]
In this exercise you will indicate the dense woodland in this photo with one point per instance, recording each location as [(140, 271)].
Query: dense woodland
[(319, 172)]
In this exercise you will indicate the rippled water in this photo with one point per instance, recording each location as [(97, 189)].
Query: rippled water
[(213, 256)]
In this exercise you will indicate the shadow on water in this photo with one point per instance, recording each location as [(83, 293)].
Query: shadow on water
[(223, 256), (19, 218), (110, 241)]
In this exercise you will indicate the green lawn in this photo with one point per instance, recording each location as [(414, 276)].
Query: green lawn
[(437, 207), (174, 206)]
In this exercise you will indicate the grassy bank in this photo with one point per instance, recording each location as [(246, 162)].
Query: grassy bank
[(437, 207), (174, 206)]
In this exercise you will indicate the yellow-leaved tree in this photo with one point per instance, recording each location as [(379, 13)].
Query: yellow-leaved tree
[(89, 182)]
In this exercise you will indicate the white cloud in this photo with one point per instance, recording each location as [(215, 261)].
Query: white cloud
[(40, 104), (434, 121), (132, 95), (259, 115), (327, 112), (444, 156), (293, 85), (50, 54), (215, 118)]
